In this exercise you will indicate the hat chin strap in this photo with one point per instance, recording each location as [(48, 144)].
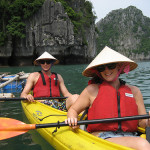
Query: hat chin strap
[(97, 73), (125, 67)]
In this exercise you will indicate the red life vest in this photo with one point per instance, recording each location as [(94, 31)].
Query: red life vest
[(110, 103), (48, 87)]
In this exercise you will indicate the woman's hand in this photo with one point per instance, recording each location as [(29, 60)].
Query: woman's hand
[(30, 98), (72, 122)]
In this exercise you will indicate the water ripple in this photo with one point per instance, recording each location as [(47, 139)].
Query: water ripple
[(75, 83)]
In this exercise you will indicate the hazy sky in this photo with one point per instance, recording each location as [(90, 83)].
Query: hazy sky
[(103, 7)]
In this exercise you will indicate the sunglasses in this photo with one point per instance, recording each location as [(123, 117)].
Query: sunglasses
[(109, 66), (49, 61)]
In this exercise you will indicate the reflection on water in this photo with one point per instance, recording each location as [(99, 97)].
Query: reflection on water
[(75, 83)]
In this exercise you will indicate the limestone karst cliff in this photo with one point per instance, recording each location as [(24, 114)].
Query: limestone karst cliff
[(69, 34), (50, 29), (127, 31)]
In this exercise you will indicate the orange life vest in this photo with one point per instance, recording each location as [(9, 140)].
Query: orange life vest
[(110, 103)]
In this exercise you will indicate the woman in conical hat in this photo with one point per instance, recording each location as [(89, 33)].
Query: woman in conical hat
[(47, 84), (110, 97), (46, 56), (109, 56)]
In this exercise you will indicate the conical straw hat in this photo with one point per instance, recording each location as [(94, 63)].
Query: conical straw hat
[(106, 56), (45, 55)]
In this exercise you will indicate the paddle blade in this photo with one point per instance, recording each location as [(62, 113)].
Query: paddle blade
[(11, 127), (7, 134)]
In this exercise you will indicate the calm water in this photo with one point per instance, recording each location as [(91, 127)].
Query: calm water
[(75, 83)]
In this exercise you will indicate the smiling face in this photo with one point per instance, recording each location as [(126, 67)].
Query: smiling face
[(46, 64), (110, 72)]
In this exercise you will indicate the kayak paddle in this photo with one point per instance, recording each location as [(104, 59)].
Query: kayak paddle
[(36, 98), (11, 127)]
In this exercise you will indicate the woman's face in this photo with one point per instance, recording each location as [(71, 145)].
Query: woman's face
[(46, 64), (109, 72)]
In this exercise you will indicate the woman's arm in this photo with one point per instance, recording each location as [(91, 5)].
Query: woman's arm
[(63, 88), (84, 101), (140, 103), (28, 87)]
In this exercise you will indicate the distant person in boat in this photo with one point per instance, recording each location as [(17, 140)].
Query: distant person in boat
[(47, 84), (107, 96)]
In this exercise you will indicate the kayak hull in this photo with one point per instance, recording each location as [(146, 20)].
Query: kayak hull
[(65, 137)]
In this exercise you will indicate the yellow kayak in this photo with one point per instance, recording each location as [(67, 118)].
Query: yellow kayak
[(64, 138)]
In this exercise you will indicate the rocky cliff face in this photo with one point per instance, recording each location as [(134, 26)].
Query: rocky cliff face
[(50, 29), (127, 31)]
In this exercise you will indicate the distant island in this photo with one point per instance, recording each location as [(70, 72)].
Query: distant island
[(127, 31)]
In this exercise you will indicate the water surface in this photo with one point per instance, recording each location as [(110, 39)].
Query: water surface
[(75, 83)]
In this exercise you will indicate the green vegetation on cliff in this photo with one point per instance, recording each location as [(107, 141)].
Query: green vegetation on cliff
[(125, 30), (12, 16), (13, 13), (81, 16)]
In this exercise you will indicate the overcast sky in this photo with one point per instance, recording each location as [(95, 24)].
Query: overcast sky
[(103, 7)]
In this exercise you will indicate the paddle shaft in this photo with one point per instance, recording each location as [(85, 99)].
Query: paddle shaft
[(83, 122), (36, 98)]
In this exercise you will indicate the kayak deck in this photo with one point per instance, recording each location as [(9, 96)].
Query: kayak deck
[(65, 137)]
